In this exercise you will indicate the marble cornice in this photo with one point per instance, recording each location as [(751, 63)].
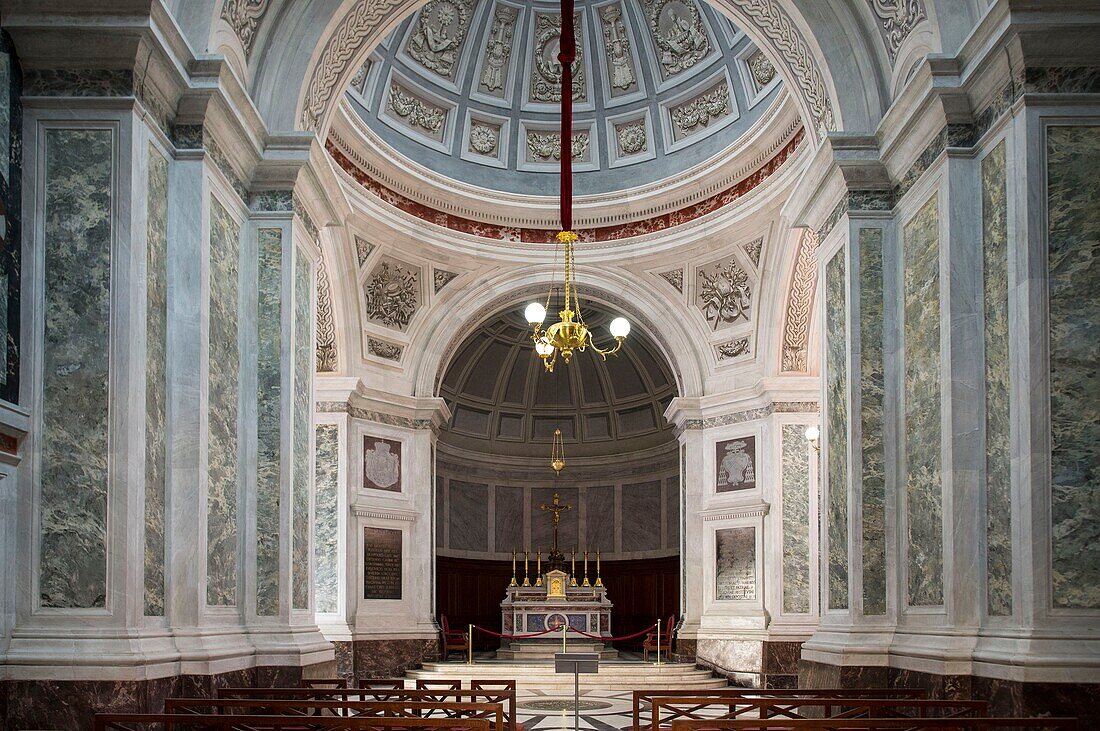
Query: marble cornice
[(734, 512), (406, 412), (697, 417)]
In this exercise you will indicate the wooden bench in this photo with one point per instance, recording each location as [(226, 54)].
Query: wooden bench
[(493, 712), (381, 683), (182, 721), (880, 724), (506, 697), (704, 708), (323, 683), (646, 696)]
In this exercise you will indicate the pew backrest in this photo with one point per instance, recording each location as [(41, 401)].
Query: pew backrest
[(172, 722), (879, 724), (494, 712)]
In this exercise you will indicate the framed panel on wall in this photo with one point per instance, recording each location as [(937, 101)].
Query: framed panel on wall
[(735, 464), (381, 563), (382, 464), (735, 564)]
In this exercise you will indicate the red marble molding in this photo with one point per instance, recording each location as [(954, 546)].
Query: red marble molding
[(546, 236)]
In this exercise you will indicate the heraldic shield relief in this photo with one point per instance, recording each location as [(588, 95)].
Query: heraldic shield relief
[(381, 464), (736, 464)]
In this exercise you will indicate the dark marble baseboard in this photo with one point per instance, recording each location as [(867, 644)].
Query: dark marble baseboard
[(70, 704), (684, 650), (391, 658), (1006, 697)]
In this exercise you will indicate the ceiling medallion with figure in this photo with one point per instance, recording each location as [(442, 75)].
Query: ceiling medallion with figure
[(440, 29), (546, 80), (725, 295), (678, 33), (618, 47)]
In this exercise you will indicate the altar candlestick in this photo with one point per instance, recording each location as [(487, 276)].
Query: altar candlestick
[(538, 570), (514, 582), (573, 571), (526, 576), (586, 570), (599, 581)]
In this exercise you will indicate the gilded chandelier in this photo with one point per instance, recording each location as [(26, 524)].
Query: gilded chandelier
[(569, 334)]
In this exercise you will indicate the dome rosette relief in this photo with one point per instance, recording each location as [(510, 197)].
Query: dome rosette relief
[(459, 106)]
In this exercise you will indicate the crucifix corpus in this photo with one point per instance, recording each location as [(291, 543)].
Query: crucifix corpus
[(556, 507)]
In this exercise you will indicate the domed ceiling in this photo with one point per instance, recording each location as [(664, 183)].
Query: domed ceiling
[(470, 89), (503, 402)]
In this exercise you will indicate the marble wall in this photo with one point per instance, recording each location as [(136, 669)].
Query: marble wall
[(836, 428), (641, 529), (998, 487), (11, 168), (1073, 266), (326, 536), (795, 455), (923, 489), (872, 394), (470, 516), (303, 379), (156, 334), (268, 434), (224, 368), (73, 437)]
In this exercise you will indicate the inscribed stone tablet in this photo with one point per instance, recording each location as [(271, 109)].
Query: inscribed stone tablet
[(735, 563), (381, 563)]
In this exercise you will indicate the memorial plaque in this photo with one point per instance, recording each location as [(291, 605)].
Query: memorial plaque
[(381, 563), (735, 464), (735, 563)]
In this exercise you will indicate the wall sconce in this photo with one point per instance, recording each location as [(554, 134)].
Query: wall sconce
[(813, 436)]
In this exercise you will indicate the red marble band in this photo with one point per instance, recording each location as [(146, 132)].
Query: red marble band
[(654, 224)]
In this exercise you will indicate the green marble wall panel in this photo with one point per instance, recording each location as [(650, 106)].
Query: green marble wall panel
[(795, 458), (156, 334), (326, 521), (222, 397), (998, 488), (268, 431), (836, 431), (872, 395), (303, 373), (923, 488), (1073, 262), (75, 367)]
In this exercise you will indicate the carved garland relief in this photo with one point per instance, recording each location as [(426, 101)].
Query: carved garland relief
[(546, 146), (796, 329), (326, 326), (723, 293), (414, 111), (700, 111), (393, 294)]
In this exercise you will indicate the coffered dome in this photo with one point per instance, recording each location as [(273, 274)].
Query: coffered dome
[(503, 402), (470, 90)]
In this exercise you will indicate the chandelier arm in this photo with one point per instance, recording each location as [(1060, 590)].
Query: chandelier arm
[(609, 351)]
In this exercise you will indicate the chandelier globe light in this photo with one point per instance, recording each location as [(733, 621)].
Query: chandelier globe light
[(569, 334)]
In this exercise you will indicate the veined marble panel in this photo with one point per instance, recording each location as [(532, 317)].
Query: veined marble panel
[(599, 518), (268, 434), (303, 375), (923, 487), (795, 457), (469, 516), (75, 368), (836, 422), (672, 511), (156, 334), (998, 487), (509, 518), (641, 516), (326, 509), (224, 368), (872, 395), (1073, 261)]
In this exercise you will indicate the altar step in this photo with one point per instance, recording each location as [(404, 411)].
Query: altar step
[(536, 651), (613, 675)]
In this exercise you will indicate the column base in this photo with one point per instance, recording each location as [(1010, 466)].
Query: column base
[(391, 657), (751, 663), (1006, 697)]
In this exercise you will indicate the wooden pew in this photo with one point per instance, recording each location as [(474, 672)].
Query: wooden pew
[(323, 683), (493, 712), (507, 697), (182, 721), (880, 724), (381, 683), (705, 708), (646, 696)]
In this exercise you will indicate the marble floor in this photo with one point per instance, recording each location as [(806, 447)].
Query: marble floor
[(600, 710)]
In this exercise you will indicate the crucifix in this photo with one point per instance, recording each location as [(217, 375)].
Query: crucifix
[(557, 507)]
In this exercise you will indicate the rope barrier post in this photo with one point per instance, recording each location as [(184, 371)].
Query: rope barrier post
[(658, 642), (470, 646), (564, 629)]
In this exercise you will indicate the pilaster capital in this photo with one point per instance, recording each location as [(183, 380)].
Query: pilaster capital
[(369, 404)]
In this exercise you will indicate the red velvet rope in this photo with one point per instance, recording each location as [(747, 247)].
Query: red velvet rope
[(567, 54), (513, 637), (616, 639)]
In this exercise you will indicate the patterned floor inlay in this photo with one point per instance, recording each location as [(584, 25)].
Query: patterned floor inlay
[(564, 705), (600, 710)]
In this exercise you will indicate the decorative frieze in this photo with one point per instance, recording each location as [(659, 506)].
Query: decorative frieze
[(415, 112), (739, 417), (363, 250), (244, 17), (441, 278), (384, 350), (378, 417), (896, 20), (733, 349), (326, 326), (689, 117), (675, 277), (546, 146)]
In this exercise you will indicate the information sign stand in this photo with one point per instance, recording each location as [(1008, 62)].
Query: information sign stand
[(576, 663)]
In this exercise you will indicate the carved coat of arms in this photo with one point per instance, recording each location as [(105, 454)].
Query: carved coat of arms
[(736, 464), (381, 464)]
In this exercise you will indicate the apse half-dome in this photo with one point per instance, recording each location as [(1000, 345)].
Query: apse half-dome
[(470, 90), (504, 403)]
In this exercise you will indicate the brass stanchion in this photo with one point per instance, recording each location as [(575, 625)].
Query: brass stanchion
[(564, 629), (658, 642), (470, 646)]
